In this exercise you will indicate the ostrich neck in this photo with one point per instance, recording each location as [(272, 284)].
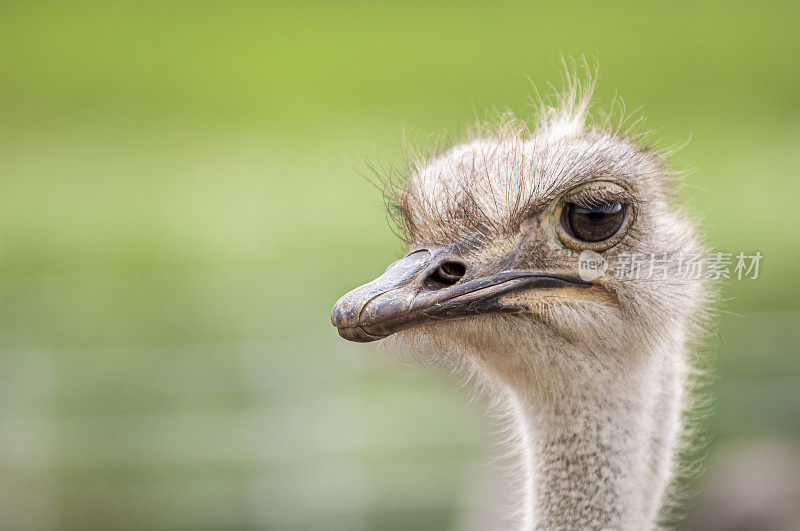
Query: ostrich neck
[(597, 449)]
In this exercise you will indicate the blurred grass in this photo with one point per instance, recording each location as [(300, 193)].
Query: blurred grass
[(178, 214)]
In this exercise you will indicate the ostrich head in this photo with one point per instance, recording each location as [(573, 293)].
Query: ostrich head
[(497, 228), (492, 281)]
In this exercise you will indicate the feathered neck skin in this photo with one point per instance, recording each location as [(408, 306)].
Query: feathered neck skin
[(593, 434), (598, 455)]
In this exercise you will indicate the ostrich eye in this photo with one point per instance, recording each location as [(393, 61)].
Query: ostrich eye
[(593, 223)]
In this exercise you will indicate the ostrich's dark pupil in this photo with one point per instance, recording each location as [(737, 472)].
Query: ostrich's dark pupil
[(594, 223)]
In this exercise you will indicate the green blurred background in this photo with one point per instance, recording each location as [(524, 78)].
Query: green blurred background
[(178, 213)]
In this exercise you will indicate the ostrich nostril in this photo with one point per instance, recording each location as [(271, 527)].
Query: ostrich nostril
[(447, 274)]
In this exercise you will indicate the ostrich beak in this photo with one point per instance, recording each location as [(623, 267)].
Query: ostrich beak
[(412, 292)]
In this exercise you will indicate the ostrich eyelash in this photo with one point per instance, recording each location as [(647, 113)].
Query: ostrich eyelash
[(592, 198)]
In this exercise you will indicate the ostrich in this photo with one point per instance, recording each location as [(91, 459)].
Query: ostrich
[(590, 370)]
